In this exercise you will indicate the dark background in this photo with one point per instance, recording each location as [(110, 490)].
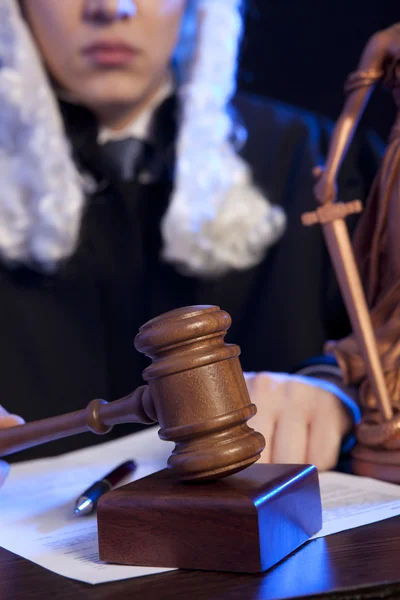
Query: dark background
[(300, 52)]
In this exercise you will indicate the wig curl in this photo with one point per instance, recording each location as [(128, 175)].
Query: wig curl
[(217, 219), (41, 199)]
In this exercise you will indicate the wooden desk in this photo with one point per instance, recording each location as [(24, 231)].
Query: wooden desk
[(367, 558)]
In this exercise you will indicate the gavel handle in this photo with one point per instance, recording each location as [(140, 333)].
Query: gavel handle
[(98, 417)]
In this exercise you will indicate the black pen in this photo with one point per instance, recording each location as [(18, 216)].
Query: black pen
[(87, 502)]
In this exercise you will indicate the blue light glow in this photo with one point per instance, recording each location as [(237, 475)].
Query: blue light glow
[(83, 506), (127, 8), (277, 490)]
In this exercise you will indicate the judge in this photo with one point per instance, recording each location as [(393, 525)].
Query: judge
[(135, 179)]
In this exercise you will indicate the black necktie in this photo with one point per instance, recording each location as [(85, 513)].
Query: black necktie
[(125, 159)]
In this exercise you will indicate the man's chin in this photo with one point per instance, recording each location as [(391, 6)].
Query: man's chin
[(117, 105), (113, 88)]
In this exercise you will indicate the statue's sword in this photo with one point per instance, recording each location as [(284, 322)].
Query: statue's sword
[(332, 218)]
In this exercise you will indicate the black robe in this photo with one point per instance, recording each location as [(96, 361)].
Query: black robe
[(68, 338)]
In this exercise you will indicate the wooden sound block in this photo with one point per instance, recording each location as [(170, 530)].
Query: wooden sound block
[(378, 464), (246, 522)]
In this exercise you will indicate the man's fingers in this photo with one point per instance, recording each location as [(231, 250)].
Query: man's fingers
[(266, 428), (324, 442), (281, 416), (290, 440), (264, 419), (10, 421), (7, 420)]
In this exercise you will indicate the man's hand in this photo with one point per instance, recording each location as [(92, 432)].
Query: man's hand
[(7, 420), (301, 423)]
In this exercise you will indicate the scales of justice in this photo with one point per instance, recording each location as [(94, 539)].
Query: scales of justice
[(214, 507)]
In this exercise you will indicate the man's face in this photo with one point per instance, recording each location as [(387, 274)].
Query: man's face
[(106, 52)]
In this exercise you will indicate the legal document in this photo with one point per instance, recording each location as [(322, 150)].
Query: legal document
[(37, 519)]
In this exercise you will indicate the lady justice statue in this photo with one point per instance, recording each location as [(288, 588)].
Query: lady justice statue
[(368, 270)]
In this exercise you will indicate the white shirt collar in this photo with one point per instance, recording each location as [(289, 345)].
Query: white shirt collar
[(141, 126)]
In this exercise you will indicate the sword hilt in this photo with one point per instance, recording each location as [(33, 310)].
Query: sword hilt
[(331, 211)]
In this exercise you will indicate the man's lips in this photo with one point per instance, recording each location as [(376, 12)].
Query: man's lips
[(108, 53)]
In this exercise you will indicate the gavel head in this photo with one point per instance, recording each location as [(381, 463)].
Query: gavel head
[(199, 393)]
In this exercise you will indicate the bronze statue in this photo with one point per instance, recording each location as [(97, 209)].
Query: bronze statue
[(369, 357)]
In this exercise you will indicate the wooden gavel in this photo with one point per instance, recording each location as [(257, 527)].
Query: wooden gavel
[(196, 391)]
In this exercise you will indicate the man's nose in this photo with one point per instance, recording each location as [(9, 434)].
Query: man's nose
[(104, 11)]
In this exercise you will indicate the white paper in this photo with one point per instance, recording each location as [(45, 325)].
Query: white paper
[(37, 501), (37, 520), (349, 501)]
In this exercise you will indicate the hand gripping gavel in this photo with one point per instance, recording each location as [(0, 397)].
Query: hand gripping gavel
[(196, 391)]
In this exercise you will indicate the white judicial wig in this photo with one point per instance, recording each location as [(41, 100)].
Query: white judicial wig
[(217, 219)]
